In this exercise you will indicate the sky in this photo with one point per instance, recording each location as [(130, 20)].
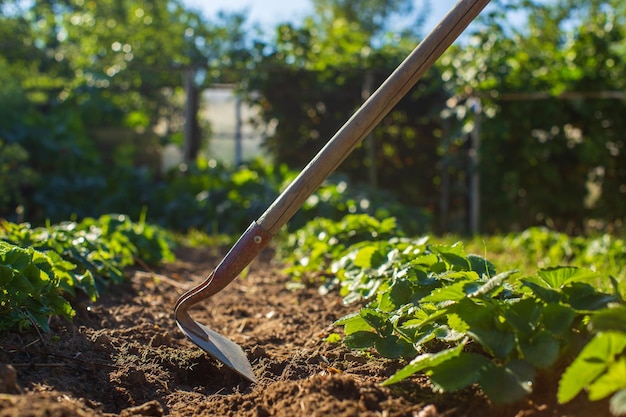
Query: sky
[(270, 12)]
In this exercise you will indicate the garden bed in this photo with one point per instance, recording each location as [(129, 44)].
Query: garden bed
[(123, 355)]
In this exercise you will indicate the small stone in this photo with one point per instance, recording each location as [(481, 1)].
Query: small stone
[(8, 380)]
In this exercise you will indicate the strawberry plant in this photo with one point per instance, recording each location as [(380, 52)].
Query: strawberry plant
[(600, 368), (30, 287), (42, 268), (454, 318), (318, 242)]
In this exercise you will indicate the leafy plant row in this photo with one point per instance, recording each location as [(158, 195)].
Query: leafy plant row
[(218, 198), (43, 268), (455, 318)]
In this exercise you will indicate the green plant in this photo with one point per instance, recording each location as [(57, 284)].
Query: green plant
[(453, 317), (313, 247), (600, 368), (463, 323), (44, 267), (31, 287)]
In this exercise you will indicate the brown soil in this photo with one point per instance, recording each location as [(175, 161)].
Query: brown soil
[(124, 356)]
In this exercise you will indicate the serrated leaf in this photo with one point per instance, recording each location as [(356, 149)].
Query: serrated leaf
[(457, 323), (6, 275), (613, 380), (542, 350), (422, 362), (557, 318), (557, 277), (509, 383), (17, 258), (390, 347), (376, 319), (481, 266), (497, 342), (360, 340), (400, 292), (609, 319), (484, 328), (543, 293), (353, 323), (589, 364), (452, 292), (583, 296), (457, 262), (369, 257), (523, 315), (21, 283), (457, 372)]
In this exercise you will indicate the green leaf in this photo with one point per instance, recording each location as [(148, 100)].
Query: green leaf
[(497, 342), (542, 350), (482, 266), (583, 296), (557, 277), (390, 346), (422, 362), (592, 361), (613, 380), (557, 318), (457, 372), (369, 257), (353, 323), (457, 262), (523, 315), (484, 327), (509, 383), (400, 292), (377, 319), (609, 319), (546, 294), (360, 340), (17, 258), (21, 283), (6, 275), (451, 292), (457, 324)]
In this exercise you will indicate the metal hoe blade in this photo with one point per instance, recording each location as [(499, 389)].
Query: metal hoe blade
[(222, 349), (260, 232)]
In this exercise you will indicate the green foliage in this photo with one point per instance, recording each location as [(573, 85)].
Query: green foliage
[(323, 66), (551, 112), (453, 317), (219, 199), (30, 285), (600, 367), (318, 242), (43, 267)]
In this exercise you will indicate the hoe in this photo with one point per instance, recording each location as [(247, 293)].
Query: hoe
[(260, 232)]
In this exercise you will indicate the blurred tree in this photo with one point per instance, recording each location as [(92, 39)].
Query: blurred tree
[(81, 73), (311, 79), (553, 93)]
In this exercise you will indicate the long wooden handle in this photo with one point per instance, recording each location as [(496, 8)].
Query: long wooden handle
[(370, 114)]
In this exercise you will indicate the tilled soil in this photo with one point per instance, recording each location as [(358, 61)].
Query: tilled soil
[(124, 356)]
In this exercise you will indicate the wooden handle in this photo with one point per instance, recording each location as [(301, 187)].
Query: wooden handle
[(370, 114)]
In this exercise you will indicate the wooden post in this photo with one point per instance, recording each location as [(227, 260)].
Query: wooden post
[(474, 156), (192, 129)]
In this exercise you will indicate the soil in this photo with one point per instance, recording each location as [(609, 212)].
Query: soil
[(124, 356)]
